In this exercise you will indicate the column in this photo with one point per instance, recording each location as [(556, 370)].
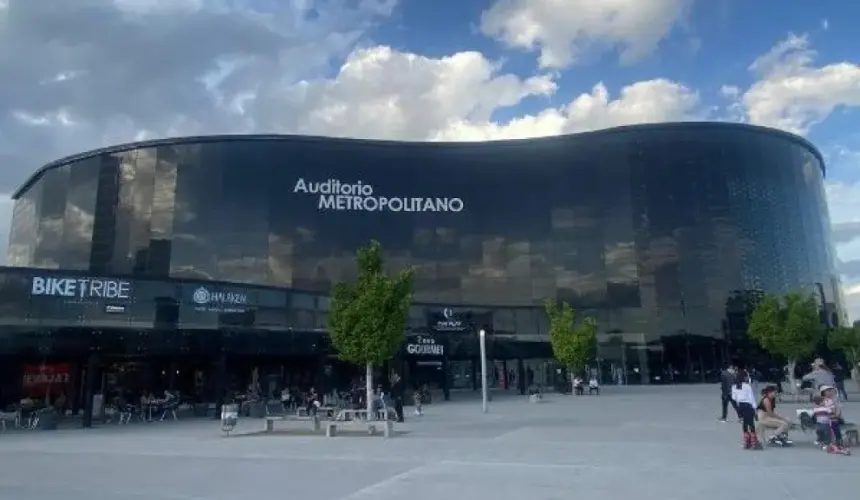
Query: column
[(220, 382), (521, 376), (446, 392), (90, 381)]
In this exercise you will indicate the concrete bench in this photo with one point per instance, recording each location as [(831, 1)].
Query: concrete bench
[(851, 435), (270, 422), (387, 426)]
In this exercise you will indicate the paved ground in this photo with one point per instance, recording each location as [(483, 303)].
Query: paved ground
[(632, 443)]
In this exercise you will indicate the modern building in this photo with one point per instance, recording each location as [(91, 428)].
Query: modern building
[(189, 253)]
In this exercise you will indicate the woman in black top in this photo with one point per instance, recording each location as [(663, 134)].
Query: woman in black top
[(768, 417)]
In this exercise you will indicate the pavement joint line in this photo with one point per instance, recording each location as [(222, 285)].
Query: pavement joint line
[(231, 456), (376, 488), (509, 434), (65, 489)]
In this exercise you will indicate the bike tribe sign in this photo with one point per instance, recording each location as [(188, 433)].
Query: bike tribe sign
[(339, 196), (81, 288)]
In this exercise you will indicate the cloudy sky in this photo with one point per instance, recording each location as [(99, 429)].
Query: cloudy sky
[(78, 74)]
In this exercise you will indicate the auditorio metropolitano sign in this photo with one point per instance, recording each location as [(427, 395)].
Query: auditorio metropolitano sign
[(335, 195)]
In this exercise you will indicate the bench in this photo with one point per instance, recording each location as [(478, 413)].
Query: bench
[(270, 422), (851, 435), (849, 429), (372, 426)]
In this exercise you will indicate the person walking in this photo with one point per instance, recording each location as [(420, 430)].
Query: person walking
[(743, 395), (727, 379), (839, 381)]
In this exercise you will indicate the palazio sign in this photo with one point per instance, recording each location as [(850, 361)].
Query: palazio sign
[(206, 300)]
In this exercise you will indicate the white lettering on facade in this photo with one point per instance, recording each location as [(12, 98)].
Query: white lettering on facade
[(81, 288), (425, 346), (219, 301), (426, 349), (359, 197)]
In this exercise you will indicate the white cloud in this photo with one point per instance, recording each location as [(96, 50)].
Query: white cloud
[(642, 102), (383, 93), (565, 31), (793, 94)]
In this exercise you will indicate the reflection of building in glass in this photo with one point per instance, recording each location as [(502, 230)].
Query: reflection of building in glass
[(651, 229)]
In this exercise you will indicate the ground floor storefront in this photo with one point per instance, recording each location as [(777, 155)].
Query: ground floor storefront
[(80, 371)]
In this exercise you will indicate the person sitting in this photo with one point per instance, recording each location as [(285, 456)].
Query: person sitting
[(768, 418), (593, 386), (287, 400)]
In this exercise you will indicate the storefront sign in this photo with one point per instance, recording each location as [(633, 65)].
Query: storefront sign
[(335, 195), (220, 302), (450, 322), (424, 346), (40, 380), (81, 288)]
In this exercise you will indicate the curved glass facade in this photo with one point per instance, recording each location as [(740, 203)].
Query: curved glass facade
[(660, 232)]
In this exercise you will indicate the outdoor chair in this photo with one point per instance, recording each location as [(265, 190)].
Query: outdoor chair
[(170, 409)]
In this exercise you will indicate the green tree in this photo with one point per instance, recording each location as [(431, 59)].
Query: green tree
[(788, 327), (573, 344), (847, 340), (367, 318)]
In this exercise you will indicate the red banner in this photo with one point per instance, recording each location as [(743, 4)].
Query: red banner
[(40, 380)]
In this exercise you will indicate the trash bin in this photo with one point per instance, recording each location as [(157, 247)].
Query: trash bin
[(229, 417), (49, 420), (257, 410)]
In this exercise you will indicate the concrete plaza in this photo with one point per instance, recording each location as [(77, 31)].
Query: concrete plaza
[(636, 443)]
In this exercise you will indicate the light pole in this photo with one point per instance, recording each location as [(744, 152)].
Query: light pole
[(482, 334)]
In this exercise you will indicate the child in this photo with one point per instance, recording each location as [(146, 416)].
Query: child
[(828, 414), (742, 394), (417, 397)]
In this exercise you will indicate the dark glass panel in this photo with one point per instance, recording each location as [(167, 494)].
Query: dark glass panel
[(55, 186), (24, 230), (79, 217)]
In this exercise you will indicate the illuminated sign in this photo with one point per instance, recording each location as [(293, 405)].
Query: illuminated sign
[(81, 288), (334, 195)]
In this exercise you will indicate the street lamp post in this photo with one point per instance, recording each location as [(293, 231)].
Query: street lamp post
[(482, 334)]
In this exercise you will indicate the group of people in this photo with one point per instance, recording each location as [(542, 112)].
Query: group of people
[(826, 415)]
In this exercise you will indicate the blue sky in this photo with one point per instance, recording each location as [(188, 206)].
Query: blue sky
[(79, 75)]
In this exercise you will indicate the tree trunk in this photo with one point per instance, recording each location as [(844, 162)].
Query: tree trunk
[(792, 364), (369, 387), (855, 374)]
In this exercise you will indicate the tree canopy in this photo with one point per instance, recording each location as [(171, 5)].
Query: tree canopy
[(847, 340), (789, 326), (367, 318), (573, 344)]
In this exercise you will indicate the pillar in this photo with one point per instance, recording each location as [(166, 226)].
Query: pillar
[(90, 381), (521, 376), (220, 382)]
